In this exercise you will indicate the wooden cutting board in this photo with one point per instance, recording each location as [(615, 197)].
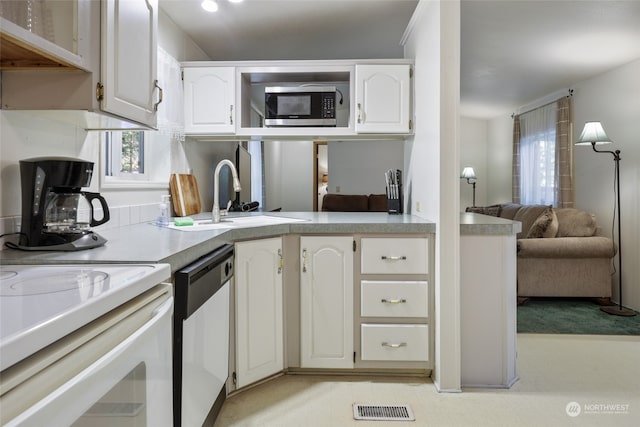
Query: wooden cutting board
[(184, 194)]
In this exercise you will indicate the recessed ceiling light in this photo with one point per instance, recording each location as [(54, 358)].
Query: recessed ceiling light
[(209, 5), (235, 1)]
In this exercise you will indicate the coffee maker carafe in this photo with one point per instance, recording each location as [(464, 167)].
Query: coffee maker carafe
[(56, 214)]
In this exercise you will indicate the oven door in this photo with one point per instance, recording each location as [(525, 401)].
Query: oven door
[(128, 382)]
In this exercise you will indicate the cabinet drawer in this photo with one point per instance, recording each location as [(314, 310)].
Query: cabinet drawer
[(395, 342), (394, 299), (395, 255)]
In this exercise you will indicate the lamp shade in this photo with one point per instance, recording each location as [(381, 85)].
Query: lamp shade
[(593, 133), (468, 173)]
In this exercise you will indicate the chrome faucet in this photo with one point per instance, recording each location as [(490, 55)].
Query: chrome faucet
[(215, 213)]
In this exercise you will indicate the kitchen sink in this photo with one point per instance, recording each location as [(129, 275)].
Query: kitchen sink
[(237, 222)]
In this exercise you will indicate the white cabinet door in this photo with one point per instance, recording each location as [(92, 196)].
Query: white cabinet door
[(129, 51), (383, 98), (326, 302), (209, 100), (259, 311)]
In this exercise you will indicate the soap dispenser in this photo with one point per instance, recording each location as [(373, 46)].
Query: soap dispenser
[(163, 218)]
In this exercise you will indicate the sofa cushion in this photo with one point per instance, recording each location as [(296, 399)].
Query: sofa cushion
[(377, 202), (509, 210), (575, 223), (493, 210), (527, 215), (345, 202), (541, 224), (567, 247)]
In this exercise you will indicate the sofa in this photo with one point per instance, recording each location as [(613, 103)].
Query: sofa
[(560, 252), (354, 203)]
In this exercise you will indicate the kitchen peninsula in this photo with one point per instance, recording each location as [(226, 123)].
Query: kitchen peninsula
[(148, 243)]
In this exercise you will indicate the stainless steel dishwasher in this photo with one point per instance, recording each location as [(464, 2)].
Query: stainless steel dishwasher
[(201, 338)]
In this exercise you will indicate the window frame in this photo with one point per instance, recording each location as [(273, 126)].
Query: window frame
[(148, 179)]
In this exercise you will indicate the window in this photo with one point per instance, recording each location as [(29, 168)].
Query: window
[(538, 156), (135, 159), (543, 155), (124, 154)]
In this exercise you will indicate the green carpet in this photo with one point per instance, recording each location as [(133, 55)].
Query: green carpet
[(572, 316)]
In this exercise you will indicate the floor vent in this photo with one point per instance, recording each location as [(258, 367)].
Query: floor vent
[(382, 412)]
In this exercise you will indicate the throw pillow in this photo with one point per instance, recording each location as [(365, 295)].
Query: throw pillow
[(541, 224), (552, 229)]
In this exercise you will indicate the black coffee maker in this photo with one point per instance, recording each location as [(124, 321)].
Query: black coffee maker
[(56, 214)]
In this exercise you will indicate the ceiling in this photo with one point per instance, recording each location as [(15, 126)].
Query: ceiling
[(512, 52)]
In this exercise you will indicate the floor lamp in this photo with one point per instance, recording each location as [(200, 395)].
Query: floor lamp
[(470, 176), (594, 134)]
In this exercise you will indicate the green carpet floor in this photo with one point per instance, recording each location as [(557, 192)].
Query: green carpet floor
[(572, 316)]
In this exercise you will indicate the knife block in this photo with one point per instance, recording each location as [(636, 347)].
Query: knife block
[(395, 205)]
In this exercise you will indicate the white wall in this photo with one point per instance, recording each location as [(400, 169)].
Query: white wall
[(176, 43), (473, 152), (486, 146), (499, 159), (432, 162), (289, 175), (612, 98), (358, 167)]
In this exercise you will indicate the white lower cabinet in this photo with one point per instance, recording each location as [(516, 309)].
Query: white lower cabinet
[(259, 310), (395, 302), (326, 302), (394, 298), (395, 342)]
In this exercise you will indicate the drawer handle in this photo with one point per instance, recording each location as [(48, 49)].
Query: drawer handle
[(402, 344), (394, 258), (393, 301)]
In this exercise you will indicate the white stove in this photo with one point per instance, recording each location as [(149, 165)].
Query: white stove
[(41, 304)]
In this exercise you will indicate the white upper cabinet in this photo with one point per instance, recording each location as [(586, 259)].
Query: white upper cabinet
[(228, 98), (383, 98), (209, 100), (129, 59), (44, 34), (117, 47)]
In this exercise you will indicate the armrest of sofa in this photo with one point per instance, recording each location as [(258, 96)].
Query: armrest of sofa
[(567, 247)]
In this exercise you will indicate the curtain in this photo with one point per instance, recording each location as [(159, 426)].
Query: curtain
[(543, 155), (171, 110), (565, 196), (515, 182)]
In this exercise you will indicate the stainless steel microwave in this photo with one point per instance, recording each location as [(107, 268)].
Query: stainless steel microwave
[(300, 106)]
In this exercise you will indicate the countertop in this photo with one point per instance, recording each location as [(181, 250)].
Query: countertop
[(148, 243)]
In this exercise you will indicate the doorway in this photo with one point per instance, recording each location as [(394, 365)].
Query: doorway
[(320, 173)]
